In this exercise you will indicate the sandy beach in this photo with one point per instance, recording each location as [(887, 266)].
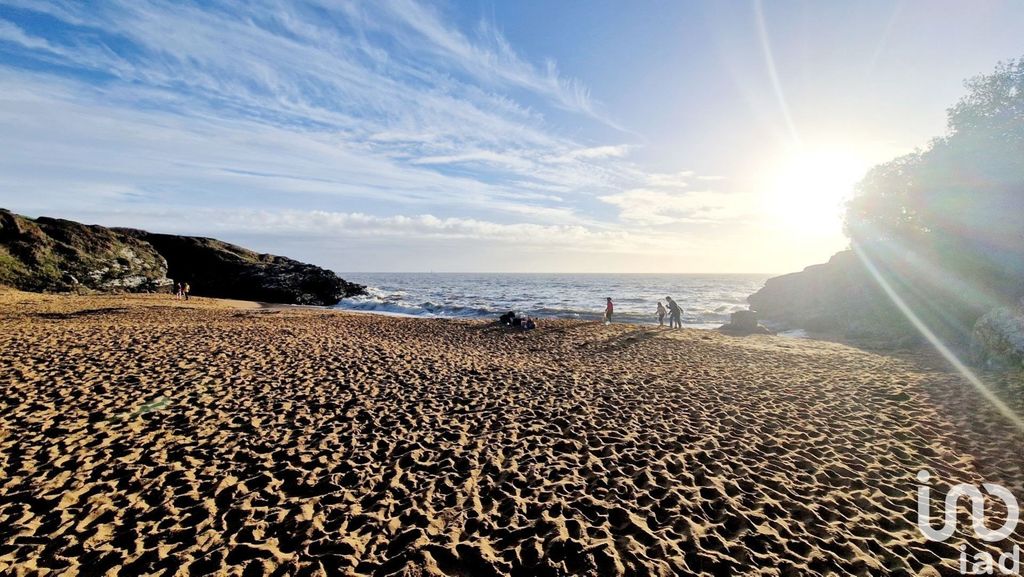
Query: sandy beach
[(140, 435)]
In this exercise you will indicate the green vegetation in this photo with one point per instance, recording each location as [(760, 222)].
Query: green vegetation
[(11, 268), (945, 224), (58, 255)]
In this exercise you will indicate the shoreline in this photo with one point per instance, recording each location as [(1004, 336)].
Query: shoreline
[(597, 319)]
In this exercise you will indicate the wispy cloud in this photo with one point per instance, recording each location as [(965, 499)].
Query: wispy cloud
[(334, 117), (10, 32), (677, 180), (599, 152), (491, 59), (429, 227), (660, 207)]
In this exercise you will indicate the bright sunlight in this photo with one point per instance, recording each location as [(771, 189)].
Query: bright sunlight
[(810, 186)]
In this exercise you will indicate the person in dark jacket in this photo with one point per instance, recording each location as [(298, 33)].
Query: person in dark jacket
[(675, 314)]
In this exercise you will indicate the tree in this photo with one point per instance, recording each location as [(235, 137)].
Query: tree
[(952, 215)]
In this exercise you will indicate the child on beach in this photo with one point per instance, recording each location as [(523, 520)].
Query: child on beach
[(608, 310), (661, 314)]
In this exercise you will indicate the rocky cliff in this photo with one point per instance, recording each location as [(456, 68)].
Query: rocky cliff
[(838, 298), (218, 269), (842, 299), (47, 254)]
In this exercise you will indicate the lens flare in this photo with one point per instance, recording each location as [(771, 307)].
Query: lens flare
[(936, 342)]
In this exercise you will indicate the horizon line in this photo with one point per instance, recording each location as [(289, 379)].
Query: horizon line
[(553, 272)]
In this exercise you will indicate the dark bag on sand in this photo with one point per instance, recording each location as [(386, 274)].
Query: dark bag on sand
[(506, 319)]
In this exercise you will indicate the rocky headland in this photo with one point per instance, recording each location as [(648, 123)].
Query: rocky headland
[(56, 255), (842, 299)]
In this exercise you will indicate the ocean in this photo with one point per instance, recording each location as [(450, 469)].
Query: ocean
[(707, 299)]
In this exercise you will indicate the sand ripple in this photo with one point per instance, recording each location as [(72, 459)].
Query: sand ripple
[(140, 436)]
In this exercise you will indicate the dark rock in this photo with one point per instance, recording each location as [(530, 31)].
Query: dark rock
[(218, 269), (840, 298), (48, 254), (744, 323), (746, 320)]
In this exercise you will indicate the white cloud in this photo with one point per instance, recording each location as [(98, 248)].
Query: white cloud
[(659, 207), (71, 147), (266, 118), (284, 70), (492, 60), (675, 180), (427, 226), (599, 152), (423, 229), (489, 157), (10, 32)]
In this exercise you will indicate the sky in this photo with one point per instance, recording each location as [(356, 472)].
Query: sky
[(526, 136)]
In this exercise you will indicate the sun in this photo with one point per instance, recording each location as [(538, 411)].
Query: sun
[(810, 187)]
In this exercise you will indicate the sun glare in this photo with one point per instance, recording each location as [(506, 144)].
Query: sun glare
[(810, 187)]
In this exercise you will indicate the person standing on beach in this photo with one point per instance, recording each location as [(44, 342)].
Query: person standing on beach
[(608, 310), (674, 314), (185, 289), (177, 290), (661, 314)]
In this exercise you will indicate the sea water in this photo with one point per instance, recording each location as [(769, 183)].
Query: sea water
[(707, 299)]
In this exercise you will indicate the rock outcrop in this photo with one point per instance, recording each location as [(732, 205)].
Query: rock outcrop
[(218, 269), (839, 298), (997, 341), (48, 254), (842, 299)]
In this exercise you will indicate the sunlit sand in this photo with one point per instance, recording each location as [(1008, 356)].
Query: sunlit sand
[(143, 435)]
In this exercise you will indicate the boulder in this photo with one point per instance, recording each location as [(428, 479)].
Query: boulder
[(744, 323), (743, 320), (997, 341)]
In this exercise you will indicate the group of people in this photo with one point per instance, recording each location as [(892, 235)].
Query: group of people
[(673, 311), (518, 321), (670, 308), (182, 290)]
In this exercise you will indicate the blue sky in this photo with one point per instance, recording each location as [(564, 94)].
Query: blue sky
[(481, 136)]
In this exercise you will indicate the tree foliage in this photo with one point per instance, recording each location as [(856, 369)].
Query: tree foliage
[(946, 223), (958, 204)]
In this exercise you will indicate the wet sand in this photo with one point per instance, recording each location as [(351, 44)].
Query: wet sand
[(146, 436)]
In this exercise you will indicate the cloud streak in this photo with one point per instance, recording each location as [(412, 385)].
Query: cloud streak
[(316, 119), (650, 207)]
